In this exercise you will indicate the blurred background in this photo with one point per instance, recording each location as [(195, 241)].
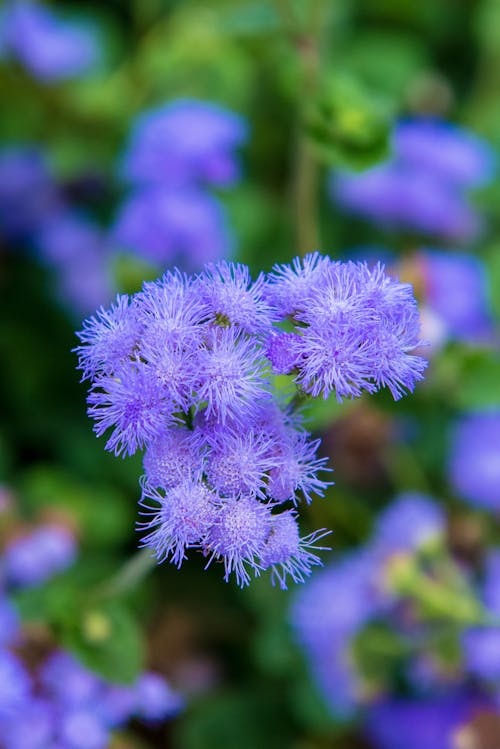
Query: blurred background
[(140, 135)]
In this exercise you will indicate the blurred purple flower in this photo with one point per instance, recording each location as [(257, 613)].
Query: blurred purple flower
[(79, 253), (15, 686), (32, 559), (474, 462), (410, 522), (168, 227), (326, 616), (49, 46), (155, 699), (9, 621), (27, 192), (185, 142), (418, 724), (458, 156), (423, 187), (456, 291)]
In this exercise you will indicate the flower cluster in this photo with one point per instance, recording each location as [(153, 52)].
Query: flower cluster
[(56, 701), (378, 586), (423, 188), (50, 47), (456, 295), (35, 213), (184, 369), (474, 462), (173, 154)]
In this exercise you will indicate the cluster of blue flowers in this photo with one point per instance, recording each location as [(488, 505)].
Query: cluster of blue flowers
[(186, 369), (424, 187), (35, 213), (50, 47), (341, 602), (474, 461), (457, 303), (57, 702), (174, 153)]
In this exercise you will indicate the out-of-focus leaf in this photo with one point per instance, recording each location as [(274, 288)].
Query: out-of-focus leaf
[(102, 514), (349, 126), (107, 639), (244, 719)]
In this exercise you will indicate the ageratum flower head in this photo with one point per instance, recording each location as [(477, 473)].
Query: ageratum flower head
[(167, 226), (50, 47), (184, 370), (474, 462), (185, 142), (424, 186)]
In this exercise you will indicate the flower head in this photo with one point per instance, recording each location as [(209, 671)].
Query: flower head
[(185, 142), (474, 463)]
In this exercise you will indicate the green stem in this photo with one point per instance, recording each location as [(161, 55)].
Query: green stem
[(128, 576), (305, 39)]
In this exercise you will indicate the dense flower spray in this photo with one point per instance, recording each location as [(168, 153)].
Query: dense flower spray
[(53, 700), (424, 187), (186, 369)]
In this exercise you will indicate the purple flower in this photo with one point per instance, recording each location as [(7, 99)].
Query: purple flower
[(15, 686), (326, 616), (51, 48), (238, 537), (109, 338), (68, 682), (423, 187), (83, 729), (296, 469), (78, 251), (237, 463), (169, 226), (456, 291), (358, 328), (9, 622), (233, 299), (474, 462), (481, 645), (133, 404), (458, 156), (27, 193), (409, 523), (286, 553), (35, 558), (290, 284), (33, 728), (418, 724), (230, 375), (185, 142), (181, 370), (401, 197), (176, 455), (155, 699), (177, 518)]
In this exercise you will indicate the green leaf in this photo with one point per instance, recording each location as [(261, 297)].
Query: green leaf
[(348, 126), (107, 639)]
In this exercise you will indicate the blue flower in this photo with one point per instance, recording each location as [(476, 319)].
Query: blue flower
[(411, 522), (50, 47), (423, 186), (185, 142), (474, 462), (34, 558), (177, 518), (286, 553), (170, 226), (456, 290), (418, 724), (238, 537), (132, 403)]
